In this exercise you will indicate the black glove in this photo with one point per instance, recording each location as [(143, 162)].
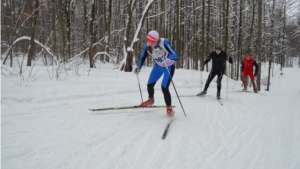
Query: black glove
[(137, 70), (255, 74), (230, 60)]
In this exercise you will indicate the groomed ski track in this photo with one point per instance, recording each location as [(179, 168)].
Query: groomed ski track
[(248, 132)]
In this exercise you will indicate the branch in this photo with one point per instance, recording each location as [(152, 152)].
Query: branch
[(36, 41)]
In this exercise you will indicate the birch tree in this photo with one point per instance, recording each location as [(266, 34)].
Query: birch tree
[(128, 49)]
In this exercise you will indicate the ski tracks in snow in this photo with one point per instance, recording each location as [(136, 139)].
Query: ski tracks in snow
[(250, 132)]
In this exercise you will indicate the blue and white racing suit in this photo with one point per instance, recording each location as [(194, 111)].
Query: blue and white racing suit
[(165, 57)]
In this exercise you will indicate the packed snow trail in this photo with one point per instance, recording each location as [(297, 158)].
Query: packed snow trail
[(249, 131)]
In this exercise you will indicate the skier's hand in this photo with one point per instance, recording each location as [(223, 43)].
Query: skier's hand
[(255, 74), (230, 60), (137, 70)]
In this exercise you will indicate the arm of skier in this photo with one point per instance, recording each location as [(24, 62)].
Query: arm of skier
[(229, 59), (208, 59), (172, 54), (256, 68), (242, 67), (143, 57)]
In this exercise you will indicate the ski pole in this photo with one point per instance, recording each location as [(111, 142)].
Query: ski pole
[(200, 77), (235, 83), (172, 84), (139, 87), (227, 83), (175, 88)]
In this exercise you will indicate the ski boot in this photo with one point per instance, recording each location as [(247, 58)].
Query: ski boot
[(203, 93), (218, 96), (255, 90), (170, 111), (148, 102), (245, 89)]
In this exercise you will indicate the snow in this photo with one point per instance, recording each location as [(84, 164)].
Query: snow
[(46, 123)]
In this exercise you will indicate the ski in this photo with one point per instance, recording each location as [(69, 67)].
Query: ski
[(194, 95), (167, 129), (128, 107), (250, 92), (219, 100)]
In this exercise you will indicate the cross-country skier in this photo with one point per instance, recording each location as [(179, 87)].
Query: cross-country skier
[(218, 58), (247, 70), (165, 57)]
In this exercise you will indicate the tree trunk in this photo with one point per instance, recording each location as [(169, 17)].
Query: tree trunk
[(251, 26), (202, 32), (239, 40), (108, 29), (85, 28), (31, 49), (11, 22), (271, 45), (208, 31), (130, 8), (161, 19), (67, 10), (283, 37), (259, 43), (226, 34), (61, 32), (234, 40), (92, 35), (195, 45), (177, 32), (53, 46)]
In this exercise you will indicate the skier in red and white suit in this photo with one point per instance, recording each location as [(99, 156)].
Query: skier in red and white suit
[(247, 70)]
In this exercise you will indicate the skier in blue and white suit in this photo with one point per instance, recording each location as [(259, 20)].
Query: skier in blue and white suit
[(165, 57)]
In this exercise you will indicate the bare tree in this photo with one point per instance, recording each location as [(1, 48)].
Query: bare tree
[(128, 48), (202, 33), (61, 32), (252, 25), (84, 29), (31, 49), (259, 42), (271, 45), (91, 34), (283, 37), (107, 25), (195, 44), (54, 41), (238, 59)]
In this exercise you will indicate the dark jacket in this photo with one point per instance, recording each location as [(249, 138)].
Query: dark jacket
[(218, 61)]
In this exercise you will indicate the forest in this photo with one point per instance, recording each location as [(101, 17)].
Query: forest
[(68, 33)]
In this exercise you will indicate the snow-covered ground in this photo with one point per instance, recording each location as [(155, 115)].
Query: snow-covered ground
[(46, 123)]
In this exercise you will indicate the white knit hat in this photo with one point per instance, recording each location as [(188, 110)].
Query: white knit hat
[(152, 36)]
